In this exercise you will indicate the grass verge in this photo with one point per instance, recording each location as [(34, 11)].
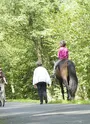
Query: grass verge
[(51, 102), (71, 102), (23, 100)]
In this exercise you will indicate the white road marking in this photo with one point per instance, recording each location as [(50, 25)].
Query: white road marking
[(65, 113), (37, 114), (13, 114)]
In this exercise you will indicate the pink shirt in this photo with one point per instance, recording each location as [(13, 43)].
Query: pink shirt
[(63, 53)]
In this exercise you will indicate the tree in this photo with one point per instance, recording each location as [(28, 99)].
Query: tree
[(31, 30)]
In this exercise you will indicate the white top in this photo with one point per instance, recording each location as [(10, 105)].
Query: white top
[(41, 75)]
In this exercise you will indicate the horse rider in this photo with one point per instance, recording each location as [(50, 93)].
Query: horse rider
[(63, 53)]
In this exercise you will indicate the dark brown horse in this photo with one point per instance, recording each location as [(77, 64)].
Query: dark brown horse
[(66, 74)]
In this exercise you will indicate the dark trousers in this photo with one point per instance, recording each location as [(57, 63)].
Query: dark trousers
[(42, 86)]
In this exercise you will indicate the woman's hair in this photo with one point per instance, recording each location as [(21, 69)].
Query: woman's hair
[(62, 43), (39, 63)]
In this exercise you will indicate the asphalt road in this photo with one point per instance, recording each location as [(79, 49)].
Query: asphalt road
[(27, 113)]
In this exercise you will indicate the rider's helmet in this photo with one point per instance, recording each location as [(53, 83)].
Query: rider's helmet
[(62, 43)]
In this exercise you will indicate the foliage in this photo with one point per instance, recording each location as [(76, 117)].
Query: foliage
[(31, 30)]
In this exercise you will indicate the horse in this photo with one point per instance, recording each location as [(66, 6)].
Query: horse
[(65, 72)]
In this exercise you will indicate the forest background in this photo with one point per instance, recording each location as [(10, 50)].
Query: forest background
[(31, 30)]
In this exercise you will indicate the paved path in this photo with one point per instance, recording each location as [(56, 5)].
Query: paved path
[(27, 113)]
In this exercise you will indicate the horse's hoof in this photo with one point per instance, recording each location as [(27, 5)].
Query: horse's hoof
[(69, 98)]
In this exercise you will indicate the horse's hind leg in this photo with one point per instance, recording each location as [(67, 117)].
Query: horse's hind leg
[(64, 75), (65, 82), (62, 89), (69, 95), (68, 91)]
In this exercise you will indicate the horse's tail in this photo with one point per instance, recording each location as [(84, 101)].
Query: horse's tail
[(73, 80)]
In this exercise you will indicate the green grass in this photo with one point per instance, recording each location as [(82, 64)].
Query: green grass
[(71, 102), (51, 102), (23, 100)]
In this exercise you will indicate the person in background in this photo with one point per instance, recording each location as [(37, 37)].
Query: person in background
[(40, 80), (2, 76), (2, 88)]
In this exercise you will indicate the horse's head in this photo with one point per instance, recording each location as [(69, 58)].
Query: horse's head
[(53, 75)]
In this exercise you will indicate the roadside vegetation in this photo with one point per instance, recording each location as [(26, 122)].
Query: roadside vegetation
[(31, 30)]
